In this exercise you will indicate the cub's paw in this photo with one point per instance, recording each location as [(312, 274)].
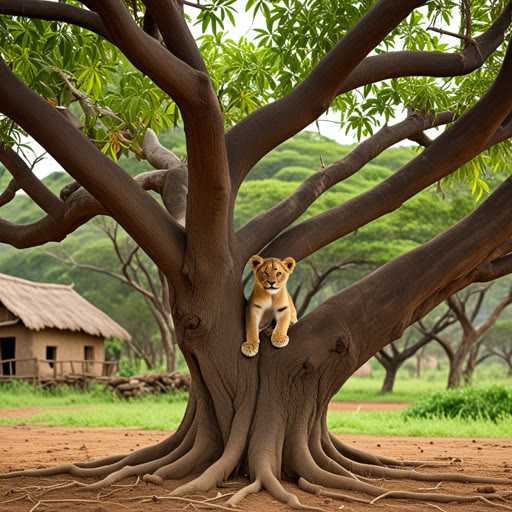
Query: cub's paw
[(279, 340), (250, 349)]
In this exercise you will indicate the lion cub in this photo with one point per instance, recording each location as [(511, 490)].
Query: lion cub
[(269, 301)]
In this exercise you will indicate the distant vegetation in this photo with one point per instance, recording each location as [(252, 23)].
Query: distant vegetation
[(487, 403)]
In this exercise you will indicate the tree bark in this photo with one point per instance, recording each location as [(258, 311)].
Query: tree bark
[(389, 379)]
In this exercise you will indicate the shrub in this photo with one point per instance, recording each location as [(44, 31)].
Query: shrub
[(489, 403)]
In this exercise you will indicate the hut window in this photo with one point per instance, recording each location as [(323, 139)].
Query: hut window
[(51, 354), (89, 353)]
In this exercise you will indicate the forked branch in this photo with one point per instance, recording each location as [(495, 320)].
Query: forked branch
[(263, 228), (272, 124), (112, 187), (465, 139), (27, 180), (370, 70)]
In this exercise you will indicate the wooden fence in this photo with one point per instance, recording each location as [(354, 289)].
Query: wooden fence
[(66, 371)]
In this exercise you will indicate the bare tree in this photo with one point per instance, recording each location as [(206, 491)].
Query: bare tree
[(506, 355), (392, 357), (460, 306), (266, 416), (319, 281), (475, 357), (136, 273)]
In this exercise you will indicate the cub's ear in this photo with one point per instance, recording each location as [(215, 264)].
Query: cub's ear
[(289, 264), (256, 261)]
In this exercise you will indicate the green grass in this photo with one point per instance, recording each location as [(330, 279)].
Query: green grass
[(145, 416), (394, 423), (411, 389), (155, 416), (488, 402), (21, 394), (100, 408)]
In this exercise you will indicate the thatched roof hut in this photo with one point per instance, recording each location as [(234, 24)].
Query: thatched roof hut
[(41, 305), (49, 329)]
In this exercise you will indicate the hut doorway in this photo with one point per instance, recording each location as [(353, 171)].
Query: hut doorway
[(8, 351)]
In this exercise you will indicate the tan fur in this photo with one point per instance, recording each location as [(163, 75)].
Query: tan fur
[(269, 300)]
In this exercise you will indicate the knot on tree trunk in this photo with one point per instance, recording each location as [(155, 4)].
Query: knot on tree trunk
[(342, 343), (191, 323)]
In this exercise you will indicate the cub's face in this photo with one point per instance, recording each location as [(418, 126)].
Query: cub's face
[(272, 273)]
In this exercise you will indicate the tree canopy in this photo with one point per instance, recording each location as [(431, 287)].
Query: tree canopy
[(93, 80)]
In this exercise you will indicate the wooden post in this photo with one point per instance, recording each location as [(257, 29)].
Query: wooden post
[(36, 371)]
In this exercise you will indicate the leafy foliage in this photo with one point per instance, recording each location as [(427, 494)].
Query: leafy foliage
[(490, 403)]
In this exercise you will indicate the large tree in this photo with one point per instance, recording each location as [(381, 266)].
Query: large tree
[(266, 415)]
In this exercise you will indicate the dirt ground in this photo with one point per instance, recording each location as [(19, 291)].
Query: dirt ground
[(28, 447)]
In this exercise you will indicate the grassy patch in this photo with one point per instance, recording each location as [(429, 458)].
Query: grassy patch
[(147, 416), (412, 389), (100, 408), (156, 416), (394, 423), (488, 403), (22, 394)]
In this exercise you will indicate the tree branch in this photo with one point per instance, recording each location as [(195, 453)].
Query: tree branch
[(259, 125), (175, 185), (459, 309), (118, 193), (170, 19), (320, 280), (27, 180), (441, 341), (386, 301), (46, 10), (413, 63), (465, 139), (69, 260), (183, 84), (9, 193), (272, 124), (494, 315), (265, 227)]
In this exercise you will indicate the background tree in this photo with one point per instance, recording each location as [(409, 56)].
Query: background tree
[(475, 357), (498, 342), (137, 273), (466, 313), (264, 415), (394, 355)]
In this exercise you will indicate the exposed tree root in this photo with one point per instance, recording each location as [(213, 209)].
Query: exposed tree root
[(370, 470), (318, 491), (443, 498), (315, 459), (369, 458), (275, 488), (226, 464), (253, 488)]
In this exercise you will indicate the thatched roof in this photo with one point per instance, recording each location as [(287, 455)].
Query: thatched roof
[(41, 305)]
